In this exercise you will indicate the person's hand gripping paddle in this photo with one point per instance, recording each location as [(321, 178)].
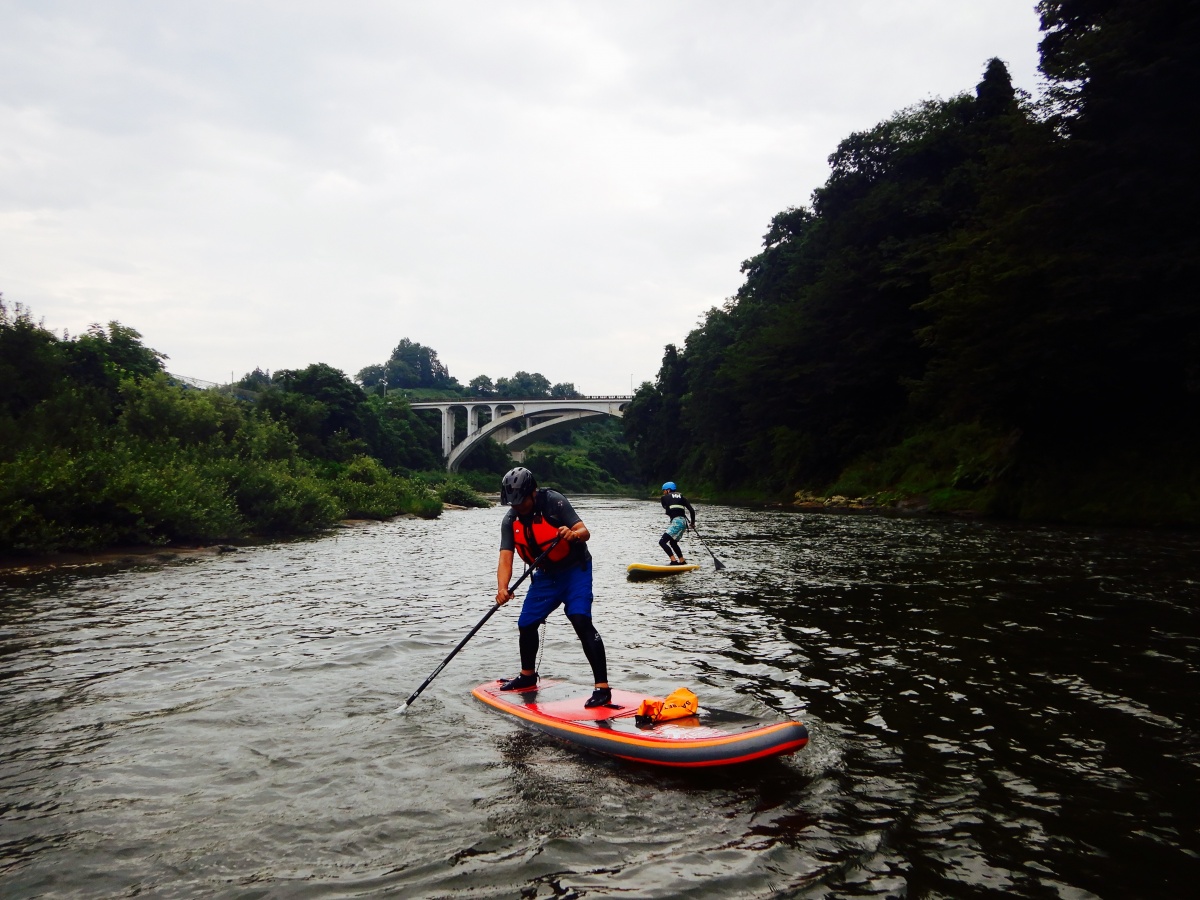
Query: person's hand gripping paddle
[(403, 708)]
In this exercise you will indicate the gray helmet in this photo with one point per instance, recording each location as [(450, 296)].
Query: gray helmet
[(516, 485)]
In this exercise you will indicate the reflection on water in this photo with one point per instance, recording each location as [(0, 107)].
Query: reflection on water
[(992, 709)]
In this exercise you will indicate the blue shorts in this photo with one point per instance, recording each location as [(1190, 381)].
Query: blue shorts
[(677, 527), (571, 587)]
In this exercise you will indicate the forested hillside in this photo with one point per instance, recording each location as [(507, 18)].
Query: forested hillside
[(99, 446), (990, 304)]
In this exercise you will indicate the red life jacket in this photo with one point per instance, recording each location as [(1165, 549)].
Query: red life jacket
[(531, 541)]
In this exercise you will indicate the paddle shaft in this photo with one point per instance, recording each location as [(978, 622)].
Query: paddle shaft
[(478, 625), (719, 565)]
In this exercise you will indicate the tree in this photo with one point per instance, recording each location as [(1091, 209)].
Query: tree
[(102, 357), (564, 391), (810, 364), (31, 361), (325, 410), (523, 386), (258, 380), (481, 386), (652, 421), (411, 365), (1125, 190)]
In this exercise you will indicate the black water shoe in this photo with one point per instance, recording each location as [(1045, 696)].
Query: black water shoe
[(520, 683), (600, 697)]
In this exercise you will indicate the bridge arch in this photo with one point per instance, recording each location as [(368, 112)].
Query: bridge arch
[(515, 424)]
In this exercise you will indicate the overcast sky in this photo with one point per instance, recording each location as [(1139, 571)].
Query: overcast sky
[(561, 187)]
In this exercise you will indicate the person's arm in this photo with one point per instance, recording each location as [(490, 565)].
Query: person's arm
[(691, 510), (573, 528), (573, 533), (503, 577)]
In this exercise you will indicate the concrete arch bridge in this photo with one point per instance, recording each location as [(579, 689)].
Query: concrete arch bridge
[(515, 424)]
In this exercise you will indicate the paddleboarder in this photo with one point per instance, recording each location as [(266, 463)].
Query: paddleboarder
[(676, 507), (537, 518)]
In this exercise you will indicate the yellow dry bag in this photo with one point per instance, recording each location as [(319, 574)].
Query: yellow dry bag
[(678, 704)]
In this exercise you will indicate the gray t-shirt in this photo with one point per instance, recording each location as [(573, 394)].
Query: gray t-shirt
[(556, 510)]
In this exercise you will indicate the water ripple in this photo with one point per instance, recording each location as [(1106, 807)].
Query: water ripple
[(993, 710)]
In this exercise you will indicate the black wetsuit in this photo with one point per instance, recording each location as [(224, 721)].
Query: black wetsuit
[(567, 582), (675, 505)]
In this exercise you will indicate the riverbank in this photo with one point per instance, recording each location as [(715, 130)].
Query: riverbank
[(129, 556), (1142, 508), (122, 557)]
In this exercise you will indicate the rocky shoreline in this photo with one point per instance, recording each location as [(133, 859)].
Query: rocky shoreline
[(877, 503), (29, 564), (96, 559)]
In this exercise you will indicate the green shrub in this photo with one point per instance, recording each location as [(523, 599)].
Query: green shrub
[(481, 482), (114, 494), (955, 468), (274, 499), (367, 490), (457, 491), (568, 470)]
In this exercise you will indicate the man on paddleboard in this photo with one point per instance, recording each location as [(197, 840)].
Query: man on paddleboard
[(676, 506), (536, 518)]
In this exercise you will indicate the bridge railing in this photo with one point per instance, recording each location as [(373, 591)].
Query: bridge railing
[(500, 401), (200, 384), (197, 383)]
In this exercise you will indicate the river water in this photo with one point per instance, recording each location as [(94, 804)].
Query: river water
[(993, 710)]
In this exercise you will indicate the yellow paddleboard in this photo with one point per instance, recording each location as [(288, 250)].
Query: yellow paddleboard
[(640, 571)]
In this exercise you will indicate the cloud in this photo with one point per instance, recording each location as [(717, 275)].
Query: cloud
[(559, 187)]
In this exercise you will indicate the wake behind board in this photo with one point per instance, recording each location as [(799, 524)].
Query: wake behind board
[(714, 737), (642, 571)]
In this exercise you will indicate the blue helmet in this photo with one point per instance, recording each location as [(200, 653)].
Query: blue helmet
[(669, 486)]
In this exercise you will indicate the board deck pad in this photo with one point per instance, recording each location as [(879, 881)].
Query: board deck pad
[(714, 737), (641, 571)]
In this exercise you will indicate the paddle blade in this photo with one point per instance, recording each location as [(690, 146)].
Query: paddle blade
[(720, 565), (401, 709)]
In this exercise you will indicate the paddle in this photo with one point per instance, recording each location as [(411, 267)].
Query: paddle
[(403, 708), (720, 565)]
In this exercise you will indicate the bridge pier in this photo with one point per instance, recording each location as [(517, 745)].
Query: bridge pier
[(447, 430)]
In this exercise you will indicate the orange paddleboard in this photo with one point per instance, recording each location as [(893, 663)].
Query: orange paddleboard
[(713, 737)]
